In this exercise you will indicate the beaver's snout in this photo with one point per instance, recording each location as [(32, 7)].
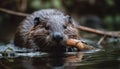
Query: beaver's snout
[(57, 37)]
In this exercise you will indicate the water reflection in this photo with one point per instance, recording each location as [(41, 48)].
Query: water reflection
[(16, 58), (107, 59), (69, 61), (40, 62), (50, 62)]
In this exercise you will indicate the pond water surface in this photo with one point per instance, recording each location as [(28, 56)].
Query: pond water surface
[(15, 58)]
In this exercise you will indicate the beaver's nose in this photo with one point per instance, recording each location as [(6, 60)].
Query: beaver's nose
[(57, 37)]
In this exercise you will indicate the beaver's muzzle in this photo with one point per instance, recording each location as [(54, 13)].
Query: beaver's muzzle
[(57, 36)]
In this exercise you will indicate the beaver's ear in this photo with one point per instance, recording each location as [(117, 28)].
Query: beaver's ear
[(36, 21), (70, 20)]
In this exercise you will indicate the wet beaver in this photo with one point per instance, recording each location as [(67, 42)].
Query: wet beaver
[(46, 29)]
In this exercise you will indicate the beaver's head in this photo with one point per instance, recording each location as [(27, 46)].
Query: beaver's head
[(52, 30)]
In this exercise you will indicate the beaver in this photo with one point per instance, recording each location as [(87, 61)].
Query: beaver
[(45, 30)]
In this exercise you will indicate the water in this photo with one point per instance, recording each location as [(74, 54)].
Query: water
[(12, 57)]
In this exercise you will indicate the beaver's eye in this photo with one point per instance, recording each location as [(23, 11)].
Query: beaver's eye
[(64, 26), (47, 27), (36, 21)]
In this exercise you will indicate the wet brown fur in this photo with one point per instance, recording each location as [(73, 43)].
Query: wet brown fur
[(37, 37)]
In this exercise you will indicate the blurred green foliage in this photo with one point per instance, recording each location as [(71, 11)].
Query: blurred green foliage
[(110, 2), (39, 4)]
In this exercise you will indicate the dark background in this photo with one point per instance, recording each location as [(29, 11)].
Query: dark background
[(98, 14)]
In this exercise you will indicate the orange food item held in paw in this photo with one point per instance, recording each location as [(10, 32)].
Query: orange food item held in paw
[(79, 44)]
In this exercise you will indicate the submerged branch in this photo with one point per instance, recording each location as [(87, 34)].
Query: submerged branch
[(101, 40), (99, 32)]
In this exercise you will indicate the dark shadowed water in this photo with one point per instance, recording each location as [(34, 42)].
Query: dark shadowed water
[(16, 58)]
